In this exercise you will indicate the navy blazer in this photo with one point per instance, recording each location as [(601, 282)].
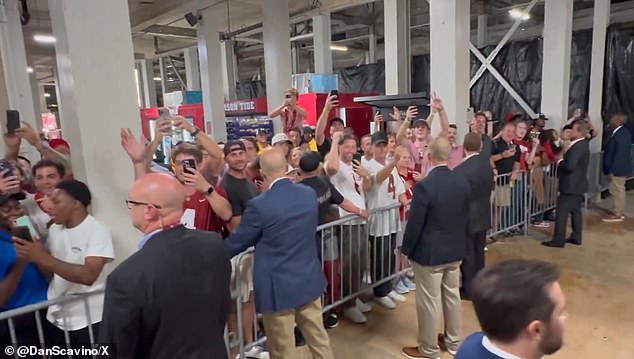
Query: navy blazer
[(436, 231), (617, 157), (281, 223), (573, 169)]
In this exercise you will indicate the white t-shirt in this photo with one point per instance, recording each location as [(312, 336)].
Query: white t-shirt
[(350, 185), (384, 194), (38, 217), (72, 245)]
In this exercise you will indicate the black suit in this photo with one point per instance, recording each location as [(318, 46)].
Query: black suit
[(437, 227), (170, 299), (573, 185), (480, 176)]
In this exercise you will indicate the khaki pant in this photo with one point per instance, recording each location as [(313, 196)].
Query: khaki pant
[(279, 329), (436, 285), (617, 191)]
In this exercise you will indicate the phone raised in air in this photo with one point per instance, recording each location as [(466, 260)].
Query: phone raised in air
[(22, 232), (334, 93), (187, 164), (6, 165), (357, 157), (13, 121)]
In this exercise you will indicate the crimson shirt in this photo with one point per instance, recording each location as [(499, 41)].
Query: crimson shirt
[(200, 216), (410, 182)]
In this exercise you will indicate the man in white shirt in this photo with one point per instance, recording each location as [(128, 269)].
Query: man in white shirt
[(80, 247), (353, 181), (388, 189)]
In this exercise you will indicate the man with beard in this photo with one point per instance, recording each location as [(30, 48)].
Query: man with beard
[(521, 309)]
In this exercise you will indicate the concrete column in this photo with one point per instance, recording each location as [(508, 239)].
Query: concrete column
[(372, 46), (601, 21), (41, 98), (321, 40), (397, 47), (229, 69), (147, 83), (277, 53), (88, 73), (17, 82), (483, 31), (192, 71), (450, 57), (163, 76), (35, 95), (556, 61), (211, 72), (295, 58)]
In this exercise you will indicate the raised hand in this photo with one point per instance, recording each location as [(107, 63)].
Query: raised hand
[(163, 128), (411, 113), (332, 101), (360, 170), (9, 184), (396, 114), (28, 133), (194, 179), (182, 123), (133, 147), (436, 103), (337, 137), (378, 117)]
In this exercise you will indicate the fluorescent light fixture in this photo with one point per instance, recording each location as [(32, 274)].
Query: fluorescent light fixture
[(338, 48), (519, 14), (44, 39), (29, 70), (52, 105), (157, 79), (170, 80), (47, 94)]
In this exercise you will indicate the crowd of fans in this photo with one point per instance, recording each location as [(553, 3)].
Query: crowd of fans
[(68, 251)]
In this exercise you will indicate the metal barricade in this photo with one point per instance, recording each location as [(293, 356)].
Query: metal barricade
[(356, 256), (508, 203), (543, 191), (27, 328)]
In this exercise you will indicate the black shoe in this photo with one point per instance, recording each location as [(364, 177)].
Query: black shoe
[(299, 338), (553, 244), (573, 241), (331, 320)]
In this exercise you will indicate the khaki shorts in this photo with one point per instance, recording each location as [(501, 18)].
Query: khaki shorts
[(245, 284), (502, 196)]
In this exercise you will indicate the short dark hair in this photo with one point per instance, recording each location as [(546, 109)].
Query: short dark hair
[(480, 113), (349, 136), (621, 116), (472, 142), (509, 295), (337, 119), (453, 125), (77, 190), (567, 127), (250, 139), (582, 125), (296, 129), (186, 148), (48, 163)]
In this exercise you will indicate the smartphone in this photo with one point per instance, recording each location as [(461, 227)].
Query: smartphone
[(334, 93), (6, 165), (187, 164), (513, 147), (13, 121), (357, 157), (25, 221), (22, 233), (164, 113)]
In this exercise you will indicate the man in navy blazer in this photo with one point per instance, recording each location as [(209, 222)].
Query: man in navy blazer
[(435, 241), (617, 165), (281, 223)]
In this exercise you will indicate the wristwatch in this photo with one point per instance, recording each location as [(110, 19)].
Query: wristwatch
[(209, 191), (196, 132)]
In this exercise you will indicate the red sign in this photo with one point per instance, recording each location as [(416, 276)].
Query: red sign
[(246, 107)]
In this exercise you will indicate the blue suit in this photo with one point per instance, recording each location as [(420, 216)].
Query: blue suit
[(281, 224), (617, 156)]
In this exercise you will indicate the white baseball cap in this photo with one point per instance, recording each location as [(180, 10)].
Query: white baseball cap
[(280, 137)]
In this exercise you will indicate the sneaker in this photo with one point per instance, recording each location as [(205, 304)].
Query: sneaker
[(401, 288), (331, 320), (363, 307), (397, 297), (255, 352), (354, 315), (386, 301), (614, 218), (409, 284)]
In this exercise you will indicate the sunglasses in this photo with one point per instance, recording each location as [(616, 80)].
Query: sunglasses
[(288, 95)]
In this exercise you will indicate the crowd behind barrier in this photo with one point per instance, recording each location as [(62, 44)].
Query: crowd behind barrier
[(350, 272)]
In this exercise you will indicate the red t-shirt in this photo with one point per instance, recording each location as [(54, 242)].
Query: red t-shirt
[(199, 214), (410, 183), (525, 149)]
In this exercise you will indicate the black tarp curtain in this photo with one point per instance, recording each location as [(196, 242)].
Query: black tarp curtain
[(520, 62)]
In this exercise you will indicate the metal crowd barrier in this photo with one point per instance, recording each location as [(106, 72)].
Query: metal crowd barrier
[(21, 322)]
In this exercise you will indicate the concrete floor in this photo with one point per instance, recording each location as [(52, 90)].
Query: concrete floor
[(597, 278)]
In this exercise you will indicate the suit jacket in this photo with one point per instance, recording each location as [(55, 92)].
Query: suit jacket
[(170, 299), (480, 176), (437, 228), (617, 157), (281, 223), (573, 169)]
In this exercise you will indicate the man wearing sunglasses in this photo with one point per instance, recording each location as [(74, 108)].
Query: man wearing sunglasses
[(171, 298), (292, 115)]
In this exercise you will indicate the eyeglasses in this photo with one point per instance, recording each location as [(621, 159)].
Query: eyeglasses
[(130, 203)]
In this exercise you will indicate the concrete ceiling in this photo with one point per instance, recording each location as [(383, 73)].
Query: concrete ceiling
[(350, 20)]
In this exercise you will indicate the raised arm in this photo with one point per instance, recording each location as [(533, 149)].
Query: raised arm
[(385, 172), (322, 122), (438, 106), (135, 150), (278, 110), (410, 114), (28, 133), (204, 141), (332, 158)]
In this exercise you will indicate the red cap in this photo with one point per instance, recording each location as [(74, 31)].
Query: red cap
[(510, 116), (58, 142)]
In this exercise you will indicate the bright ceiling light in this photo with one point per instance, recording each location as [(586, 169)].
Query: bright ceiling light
[(338, 48), (29, 70), (157, 79), (519, 14), (47, 95), (44, 39), (526, 16)]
